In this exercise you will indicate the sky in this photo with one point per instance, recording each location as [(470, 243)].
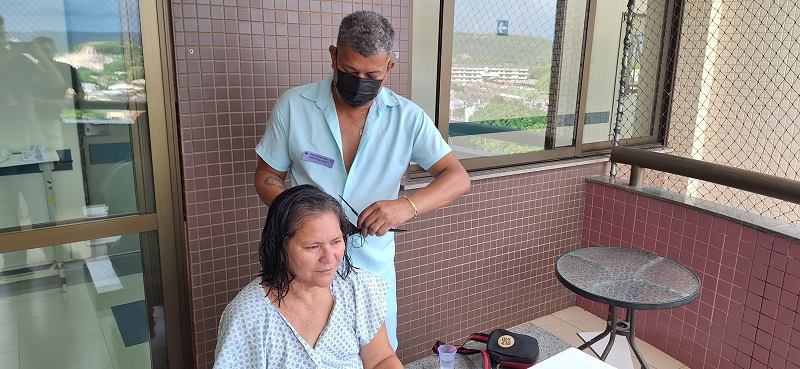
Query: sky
[(525, 17), (66, 15)]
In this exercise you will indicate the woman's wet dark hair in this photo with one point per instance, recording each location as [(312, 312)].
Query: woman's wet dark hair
[(285, 216)]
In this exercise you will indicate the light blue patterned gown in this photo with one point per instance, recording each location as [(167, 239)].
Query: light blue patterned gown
[(253, 333)]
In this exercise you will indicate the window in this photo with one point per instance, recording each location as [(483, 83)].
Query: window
[(81, 240), (72, 108), (527, 81)]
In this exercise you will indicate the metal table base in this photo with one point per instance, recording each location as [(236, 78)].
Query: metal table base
[(624, 328)]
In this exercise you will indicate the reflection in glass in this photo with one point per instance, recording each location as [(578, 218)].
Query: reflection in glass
[(89, 311), (603, 112), (643, 58), (503, 66), (72, 111)]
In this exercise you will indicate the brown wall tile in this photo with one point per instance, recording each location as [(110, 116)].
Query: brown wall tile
[(486, 261)]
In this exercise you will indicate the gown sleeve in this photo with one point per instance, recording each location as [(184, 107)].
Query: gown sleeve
[(370, 304), (239, 341)]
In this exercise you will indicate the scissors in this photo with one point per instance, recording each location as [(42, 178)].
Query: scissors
[(354, 229)]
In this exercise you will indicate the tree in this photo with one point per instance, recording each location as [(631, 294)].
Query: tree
[(514, 114)]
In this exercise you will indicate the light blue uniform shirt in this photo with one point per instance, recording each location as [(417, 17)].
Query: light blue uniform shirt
[(303, 137)]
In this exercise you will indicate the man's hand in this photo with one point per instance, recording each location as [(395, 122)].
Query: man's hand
[(450, 181), (383, 215)]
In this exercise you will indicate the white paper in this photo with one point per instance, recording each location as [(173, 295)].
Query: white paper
[(103, 275), (572, 358)]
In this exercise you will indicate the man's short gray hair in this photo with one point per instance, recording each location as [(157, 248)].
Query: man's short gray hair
[(368, 33)]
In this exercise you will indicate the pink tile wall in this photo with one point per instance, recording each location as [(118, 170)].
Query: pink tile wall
[(747, 313)]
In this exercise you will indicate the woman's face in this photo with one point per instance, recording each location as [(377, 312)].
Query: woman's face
[(316, 250)]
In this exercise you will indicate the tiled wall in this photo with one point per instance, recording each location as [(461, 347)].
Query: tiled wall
[(487, 260), (483, 262), (747, 313), (232, 60)]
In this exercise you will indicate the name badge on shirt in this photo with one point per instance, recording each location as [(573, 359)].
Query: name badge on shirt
[(313, 157)]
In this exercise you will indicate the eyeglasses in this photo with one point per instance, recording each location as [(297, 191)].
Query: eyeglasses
[(354, 229)]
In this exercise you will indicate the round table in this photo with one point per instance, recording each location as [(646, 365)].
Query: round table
[(626, 278)]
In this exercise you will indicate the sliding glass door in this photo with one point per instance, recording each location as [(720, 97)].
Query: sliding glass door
[(85, 258)]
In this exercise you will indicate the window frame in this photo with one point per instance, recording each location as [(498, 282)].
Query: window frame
[(579, 149)]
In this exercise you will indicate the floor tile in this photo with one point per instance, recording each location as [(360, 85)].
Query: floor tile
[(573, 312), (48, 328), (38, 330), (132, 290), (91, 362), (581, 319), (657, 358), (619, 354), (12, 349), (9, 334), (546, 320), (43, 355), (84, 346), (566, 332), (140, 355), (574, 320), (116, 347), (10, 359)]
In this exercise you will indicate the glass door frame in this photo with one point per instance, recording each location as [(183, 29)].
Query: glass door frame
[(167, 219)]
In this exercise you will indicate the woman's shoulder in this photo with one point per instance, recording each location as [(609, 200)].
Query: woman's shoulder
[(366, 276), (250, 297), (360, 280)]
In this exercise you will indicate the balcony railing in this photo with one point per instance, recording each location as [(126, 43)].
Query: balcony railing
[(760, 183)]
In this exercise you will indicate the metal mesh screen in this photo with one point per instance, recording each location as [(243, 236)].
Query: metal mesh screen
[(730, 69)]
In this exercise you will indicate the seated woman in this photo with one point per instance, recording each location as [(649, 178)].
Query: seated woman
[(309, 307)]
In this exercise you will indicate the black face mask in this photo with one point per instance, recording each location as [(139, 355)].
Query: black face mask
[(356, 91)]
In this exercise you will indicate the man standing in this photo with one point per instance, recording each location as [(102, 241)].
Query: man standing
[(353, 138), (68, 72), (50, 106), (26, 75)]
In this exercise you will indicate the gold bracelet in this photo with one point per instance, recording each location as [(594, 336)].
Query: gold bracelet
[(413, 206)]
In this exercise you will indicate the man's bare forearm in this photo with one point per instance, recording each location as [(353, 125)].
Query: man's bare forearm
[(450, 181), (272, 180), (269, 182)]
